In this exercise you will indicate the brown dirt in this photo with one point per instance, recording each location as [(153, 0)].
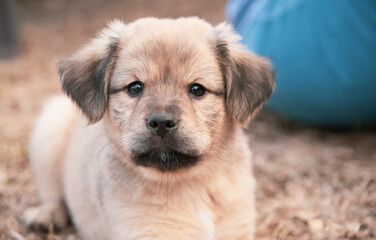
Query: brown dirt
[(312, 183)]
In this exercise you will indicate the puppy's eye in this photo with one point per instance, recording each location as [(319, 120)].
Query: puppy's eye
[(135, 89), (197, 90)]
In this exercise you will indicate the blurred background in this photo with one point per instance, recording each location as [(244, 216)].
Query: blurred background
[(313, 183)]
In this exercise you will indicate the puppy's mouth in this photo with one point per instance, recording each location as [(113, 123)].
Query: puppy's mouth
[(166, 160)]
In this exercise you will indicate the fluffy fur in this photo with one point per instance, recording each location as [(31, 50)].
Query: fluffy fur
[(120, 180)]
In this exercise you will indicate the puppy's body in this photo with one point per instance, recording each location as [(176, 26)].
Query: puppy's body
[(105, 196), (120, 179)]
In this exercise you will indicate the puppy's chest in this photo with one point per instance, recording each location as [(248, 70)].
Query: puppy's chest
[(187, 197), (192, 198)]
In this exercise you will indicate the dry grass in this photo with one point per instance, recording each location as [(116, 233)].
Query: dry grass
[(312, 184)]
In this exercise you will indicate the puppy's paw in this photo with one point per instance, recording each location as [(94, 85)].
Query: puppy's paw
[(44, 219)]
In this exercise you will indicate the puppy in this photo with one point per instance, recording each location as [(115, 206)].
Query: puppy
[(163, 155)]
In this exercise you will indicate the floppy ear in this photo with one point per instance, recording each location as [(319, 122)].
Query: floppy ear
[(84, 75), (249, 78)]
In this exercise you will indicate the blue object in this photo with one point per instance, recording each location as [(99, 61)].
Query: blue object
[(324, 53)]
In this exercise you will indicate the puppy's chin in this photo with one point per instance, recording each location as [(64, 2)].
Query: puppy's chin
[(165, 161)]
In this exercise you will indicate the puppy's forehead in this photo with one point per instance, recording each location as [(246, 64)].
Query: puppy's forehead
[(169, 50)]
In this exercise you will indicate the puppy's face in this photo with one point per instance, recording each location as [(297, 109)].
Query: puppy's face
[(166, 100), (171, 91)]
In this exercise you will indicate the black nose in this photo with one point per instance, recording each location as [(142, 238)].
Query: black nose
[(161, 124)]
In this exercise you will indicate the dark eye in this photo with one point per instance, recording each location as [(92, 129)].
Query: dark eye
[(135, 89), (197, 90)]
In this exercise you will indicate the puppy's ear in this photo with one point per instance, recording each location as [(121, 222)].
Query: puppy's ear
[(84, 75), (249, 78)]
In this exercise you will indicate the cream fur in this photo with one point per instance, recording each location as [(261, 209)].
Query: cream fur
[(87, 167)]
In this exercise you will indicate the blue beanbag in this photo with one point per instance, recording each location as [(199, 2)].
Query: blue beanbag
[(324, 53)]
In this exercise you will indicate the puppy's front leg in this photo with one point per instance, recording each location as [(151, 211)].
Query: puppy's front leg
[(48, 144), (137, 209), (239, 224), (236, 217)]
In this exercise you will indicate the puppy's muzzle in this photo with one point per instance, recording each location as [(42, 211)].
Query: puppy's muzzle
[(162, 124)]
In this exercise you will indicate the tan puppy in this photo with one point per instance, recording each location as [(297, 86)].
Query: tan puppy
[(164, 155)]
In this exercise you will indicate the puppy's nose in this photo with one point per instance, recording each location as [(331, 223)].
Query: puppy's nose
[(161, 124)]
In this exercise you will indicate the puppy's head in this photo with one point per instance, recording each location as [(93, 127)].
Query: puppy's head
[(169, 91)]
